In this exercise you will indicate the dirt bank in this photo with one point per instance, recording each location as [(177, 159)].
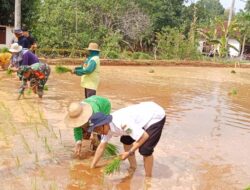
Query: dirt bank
[(120, 62)]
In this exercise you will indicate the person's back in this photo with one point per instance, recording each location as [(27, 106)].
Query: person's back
[(29, 58), (142, 114)]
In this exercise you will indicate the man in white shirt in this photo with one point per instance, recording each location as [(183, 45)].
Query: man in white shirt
[(140, 126)]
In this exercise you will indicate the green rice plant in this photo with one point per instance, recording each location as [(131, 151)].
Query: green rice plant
[(45, 88), (34, 184), (9, 72), (44, 122), (60, 135), (110, 150), (29, 91), (18, 162), (36, 157), (53, 186), (233, 71), (46, 144), (113, 166), (26, 145), (61, 69), (53, 132), (233, 92), (37, 132), (247, 188)]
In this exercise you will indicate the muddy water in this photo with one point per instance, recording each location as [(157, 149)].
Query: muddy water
[(204, 145)]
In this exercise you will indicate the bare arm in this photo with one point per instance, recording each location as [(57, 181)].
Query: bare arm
[(135, 146), (98, 154)]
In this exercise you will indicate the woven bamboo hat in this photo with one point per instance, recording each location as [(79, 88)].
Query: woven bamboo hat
[(78, 114), (93, 47)]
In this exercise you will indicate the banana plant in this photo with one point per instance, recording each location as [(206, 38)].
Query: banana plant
[(219, 39)]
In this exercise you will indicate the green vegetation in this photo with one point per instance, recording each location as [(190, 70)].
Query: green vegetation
[(61, 69), (136, 29), (113, 166), (110, 150)]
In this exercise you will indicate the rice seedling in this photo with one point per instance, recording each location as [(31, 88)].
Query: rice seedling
[(36, 158), (28, 92), (9, 72), (44, 122), (46, 144), (18, 162), (233, 92), (111, 150), (34, 184), (26, 145), (233, 71), (113, 166), (61, 69), (53, 186), (247, 188), (45, 88), (37, 132), (60, 135), (53, 132)]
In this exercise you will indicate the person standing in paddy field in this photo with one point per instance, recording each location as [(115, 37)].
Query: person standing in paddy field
[(90, 71)]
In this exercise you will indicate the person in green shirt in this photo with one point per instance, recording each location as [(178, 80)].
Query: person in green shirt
[(79, 114), (90, 71)]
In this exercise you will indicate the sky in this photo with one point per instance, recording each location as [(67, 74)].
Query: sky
[(239, 4)]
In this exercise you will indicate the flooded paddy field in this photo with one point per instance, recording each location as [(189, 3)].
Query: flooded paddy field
[(204, 145)]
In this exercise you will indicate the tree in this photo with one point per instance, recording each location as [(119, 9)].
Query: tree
[(247, 7), (163, 13), (243, 25), (208, 10)]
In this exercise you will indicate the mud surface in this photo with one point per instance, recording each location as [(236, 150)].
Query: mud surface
[(204, 145)]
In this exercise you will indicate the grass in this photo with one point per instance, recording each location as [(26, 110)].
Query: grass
[(113, 166), (61, 69), (111, 150)]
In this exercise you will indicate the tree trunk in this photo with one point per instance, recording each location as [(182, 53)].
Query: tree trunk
[(17, 13), (243, 47)]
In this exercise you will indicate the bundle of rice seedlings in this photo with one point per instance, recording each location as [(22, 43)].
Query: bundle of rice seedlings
[(110, 150), (45, 88), (61, 69), (113, 166)]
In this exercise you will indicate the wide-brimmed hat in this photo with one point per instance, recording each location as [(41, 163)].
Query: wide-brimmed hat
[(15, 48), (78, 114), (93, 47), (98, 119)]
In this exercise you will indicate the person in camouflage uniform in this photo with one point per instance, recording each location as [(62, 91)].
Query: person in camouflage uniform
[(37, 74)]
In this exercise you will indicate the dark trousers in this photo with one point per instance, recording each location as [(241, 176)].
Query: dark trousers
[(89, 92)]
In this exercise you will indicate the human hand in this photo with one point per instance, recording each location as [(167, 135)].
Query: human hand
[(124, 155), (78, 147)]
